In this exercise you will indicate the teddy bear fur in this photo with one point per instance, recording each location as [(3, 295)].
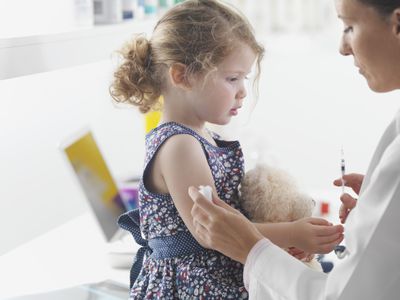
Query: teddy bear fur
[(271, 195)]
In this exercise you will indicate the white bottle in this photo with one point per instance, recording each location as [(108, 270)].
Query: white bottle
[(129, 7), (206, 191), (83, 13), (150, 7), (107, 11)]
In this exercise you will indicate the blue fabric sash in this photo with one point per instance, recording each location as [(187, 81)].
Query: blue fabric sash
[(180, 244)]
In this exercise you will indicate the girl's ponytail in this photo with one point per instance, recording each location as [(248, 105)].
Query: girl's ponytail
[(134, 82)]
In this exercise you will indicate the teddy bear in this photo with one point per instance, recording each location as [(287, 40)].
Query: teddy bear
[(271, 195)]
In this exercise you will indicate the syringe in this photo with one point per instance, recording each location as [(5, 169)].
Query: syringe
[(342, 168)]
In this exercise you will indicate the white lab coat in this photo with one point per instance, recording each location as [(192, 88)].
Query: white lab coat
[(372, 230)]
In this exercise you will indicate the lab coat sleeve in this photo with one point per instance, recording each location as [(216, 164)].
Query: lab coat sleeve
[(274, 274), (372, 269)]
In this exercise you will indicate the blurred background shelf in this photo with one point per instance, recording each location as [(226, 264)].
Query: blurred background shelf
[(35, 54), (55, 80)]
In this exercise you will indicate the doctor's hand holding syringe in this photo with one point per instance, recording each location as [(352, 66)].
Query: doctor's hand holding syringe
[(354, 181)]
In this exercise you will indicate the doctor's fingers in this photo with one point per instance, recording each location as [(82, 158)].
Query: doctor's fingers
[(343, 214), (213, 223), (200, 201), (214, 235), (352, 180), (348, 201), (202, 235), (222, 204), (199, 215)]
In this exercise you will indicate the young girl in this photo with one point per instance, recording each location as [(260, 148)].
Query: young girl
[(198, 58)]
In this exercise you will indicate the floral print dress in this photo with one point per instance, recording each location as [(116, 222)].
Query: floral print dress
[(189, 271)]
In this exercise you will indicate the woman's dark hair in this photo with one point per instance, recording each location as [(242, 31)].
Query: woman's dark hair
[(384, 7)]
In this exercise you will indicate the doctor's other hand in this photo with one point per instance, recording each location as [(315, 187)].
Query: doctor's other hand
[(221, 227), (354, 181)]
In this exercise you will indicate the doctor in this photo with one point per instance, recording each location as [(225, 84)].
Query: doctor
[(372, 268)]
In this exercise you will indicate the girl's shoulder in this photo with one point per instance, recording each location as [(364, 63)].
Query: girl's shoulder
[(156, 137), (169, 129)]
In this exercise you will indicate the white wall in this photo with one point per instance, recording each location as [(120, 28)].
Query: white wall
[(37, 189), (27, 17), (312, 101)]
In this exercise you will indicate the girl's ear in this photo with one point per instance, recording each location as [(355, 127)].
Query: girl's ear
[(178, 76), (396, 22)]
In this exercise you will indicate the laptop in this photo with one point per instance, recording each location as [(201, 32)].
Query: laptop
[(107, 204), (96, 181)]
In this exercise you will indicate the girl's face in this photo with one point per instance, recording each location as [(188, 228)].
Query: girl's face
[(219, 96), (374, 43)]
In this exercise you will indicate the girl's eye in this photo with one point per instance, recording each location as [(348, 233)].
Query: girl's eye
[(348, 29), (235, 79)]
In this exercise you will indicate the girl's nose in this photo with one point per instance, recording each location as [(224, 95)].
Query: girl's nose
[(344, 47), (241, 94)]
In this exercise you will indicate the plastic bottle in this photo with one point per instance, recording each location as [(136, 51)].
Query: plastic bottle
[(83, 11), (107, 11), (150, 7)]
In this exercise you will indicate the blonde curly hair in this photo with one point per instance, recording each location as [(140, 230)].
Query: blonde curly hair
[(196, 33)]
